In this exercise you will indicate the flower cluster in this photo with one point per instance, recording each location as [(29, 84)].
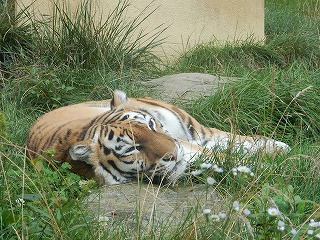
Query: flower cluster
[(273, 212), (314, 225), (206, 166), (214, 217), (236, 206), (242, 169), (20, 202), (281, 225)]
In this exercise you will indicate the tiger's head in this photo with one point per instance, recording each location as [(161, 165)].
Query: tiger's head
[(134, 143)]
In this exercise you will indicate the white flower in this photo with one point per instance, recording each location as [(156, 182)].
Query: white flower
[(211, 180), (251, 174), (246, 212), (243, 169), (310, 232), (20, 202), (217, 169), (196, 172), (314, 224), (82, 183), (234, 171), (222, 215), (293, 231), (205, 165), (236, 205), (206, 211), (273, 211), (214, 217), (317, 235), (281, 225)]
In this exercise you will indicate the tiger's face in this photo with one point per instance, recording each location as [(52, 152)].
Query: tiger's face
[(135, 143)]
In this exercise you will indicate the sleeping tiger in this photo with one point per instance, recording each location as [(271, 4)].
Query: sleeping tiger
[(115, 141)]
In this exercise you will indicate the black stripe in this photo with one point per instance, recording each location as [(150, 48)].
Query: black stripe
[(90, 132), (204, 142), (52, 138), (68, 133), (84, 132), (100, 144), (111, 134), (102, 117), (103, 130), (112, 103), (124, 117), (191, 128), (115, 167), (114, 117), (180, 113), (115, 154), (107, 170), (128, 162), (118, 147), (106, 150)]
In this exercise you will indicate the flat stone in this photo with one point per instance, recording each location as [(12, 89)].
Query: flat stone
[(187, 86), (151, 202)]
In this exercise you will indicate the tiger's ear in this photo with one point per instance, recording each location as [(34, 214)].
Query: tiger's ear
[(80, 151), (118, 98)]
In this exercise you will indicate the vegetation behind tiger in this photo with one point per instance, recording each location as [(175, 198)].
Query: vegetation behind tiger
[(49, 65)]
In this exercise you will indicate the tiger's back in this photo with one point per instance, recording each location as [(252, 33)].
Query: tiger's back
[(61, 128)]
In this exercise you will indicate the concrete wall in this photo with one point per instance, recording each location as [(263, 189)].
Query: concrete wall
[(189, 21)]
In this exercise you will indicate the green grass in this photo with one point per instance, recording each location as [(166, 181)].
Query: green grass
[(76, 60), (81, 41)]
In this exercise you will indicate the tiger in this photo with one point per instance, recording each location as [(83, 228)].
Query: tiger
[(114, 141)]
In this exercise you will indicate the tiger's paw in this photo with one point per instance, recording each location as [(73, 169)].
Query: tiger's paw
[(273, 146)]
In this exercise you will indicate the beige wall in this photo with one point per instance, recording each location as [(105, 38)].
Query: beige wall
[(190, 21)]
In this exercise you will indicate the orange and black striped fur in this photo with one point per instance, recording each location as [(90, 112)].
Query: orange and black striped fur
[(115, 140)]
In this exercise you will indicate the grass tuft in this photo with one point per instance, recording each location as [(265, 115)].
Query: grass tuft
[(80, 40), (280, 104)]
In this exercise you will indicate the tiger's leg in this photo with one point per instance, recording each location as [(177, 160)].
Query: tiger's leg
[(249, 145), (189, 153)]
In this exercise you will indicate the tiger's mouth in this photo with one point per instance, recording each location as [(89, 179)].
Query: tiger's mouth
[(170, 167)]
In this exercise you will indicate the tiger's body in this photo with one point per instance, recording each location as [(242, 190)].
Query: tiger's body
[(116, 140)]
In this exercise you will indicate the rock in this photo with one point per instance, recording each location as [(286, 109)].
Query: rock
[(151, 202), (187, 85)]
